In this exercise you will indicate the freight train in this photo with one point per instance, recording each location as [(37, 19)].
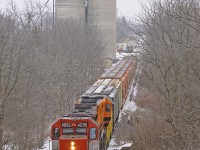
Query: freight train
[(90, 124)]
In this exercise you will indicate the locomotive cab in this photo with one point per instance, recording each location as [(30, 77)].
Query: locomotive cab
[(74, 133)]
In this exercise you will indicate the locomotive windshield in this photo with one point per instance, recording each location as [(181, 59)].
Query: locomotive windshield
[(80, 131), (56, 133), (68, 131), (93, 133)]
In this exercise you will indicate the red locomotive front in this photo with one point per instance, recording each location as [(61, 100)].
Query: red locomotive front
[(76, 143), (74, 133)]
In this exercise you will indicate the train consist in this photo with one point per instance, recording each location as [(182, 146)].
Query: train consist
[(90, 124)]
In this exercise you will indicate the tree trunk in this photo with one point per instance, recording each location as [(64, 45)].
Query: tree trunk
[(1, 125)]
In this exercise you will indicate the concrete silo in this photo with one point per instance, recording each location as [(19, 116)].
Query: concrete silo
[(69, 8), (103, 14), (99, 12)]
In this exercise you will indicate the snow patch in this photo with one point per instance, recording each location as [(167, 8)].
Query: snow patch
[(47, 145), (122, 55), (122, 145), (130, 105)]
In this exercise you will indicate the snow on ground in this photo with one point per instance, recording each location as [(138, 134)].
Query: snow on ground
[(121, 55), (129, 105), (8, 147), (122, 145), (47, 145)]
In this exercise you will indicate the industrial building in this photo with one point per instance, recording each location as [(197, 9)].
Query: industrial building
[(69, 8), (100, 12)]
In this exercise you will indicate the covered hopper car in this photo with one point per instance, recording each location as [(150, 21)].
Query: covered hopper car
[(90, 124)]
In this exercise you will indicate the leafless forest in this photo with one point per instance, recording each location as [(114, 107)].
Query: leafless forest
[(44, 65), (168, 114)]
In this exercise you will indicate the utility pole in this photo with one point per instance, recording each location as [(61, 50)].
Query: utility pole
[(53, 11), (86, 12)]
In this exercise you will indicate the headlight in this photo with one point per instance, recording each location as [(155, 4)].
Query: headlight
[(72, 146)]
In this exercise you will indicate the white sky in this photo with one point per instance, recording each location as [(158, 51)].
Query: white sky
[(125, 7), (128, 7)]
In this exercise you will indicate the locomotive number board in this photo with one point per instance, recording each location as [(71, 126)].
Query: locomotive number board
[(69, 125), (82, 125), (66, 125)]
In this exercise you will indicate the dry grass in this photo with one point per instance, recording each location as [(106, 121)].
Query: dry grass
[(147, 100), (149, 130), (149, 126), (152, 128)]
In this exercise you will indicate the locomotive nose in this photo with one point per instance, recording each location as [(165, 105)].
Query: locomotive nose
[(74, 143)]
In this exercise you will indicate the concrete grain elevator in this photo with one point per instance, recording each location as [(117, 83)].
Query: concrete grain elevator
[(100, 12)]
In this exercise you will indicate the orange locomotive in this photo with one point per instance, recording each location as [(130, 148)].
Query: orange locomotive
[(90, 124)]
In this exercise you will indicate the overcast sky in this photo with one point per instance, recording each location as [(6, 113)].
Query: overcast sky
[(128, 7), (125, 7)]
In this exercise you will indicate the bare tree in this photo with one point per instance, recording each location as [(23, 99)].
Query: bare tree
[(13, 61), (169, 37), (59, 62)]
